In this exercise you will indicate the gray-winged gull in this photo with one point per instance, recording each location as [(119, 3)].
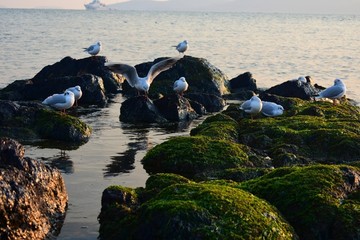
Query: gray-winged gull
[(180, 86), (182, 47), (93, 49), (77, 93), (60, 101), (141, 83), (252, 106), (271, 109), (334, 92)]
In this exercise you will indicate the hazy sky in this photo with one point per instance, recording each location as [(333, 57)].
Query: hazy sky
[(302, 6)]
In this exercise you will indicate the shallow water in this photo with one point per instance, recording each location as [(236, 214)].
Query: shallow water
[(274, 47)]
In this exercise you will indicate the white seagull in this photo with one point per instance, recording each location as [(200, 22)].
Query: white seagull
[(334, 92), (252, 106), (61, 101), (271, 109), (77, 93), (302, 79), (141, 83), (182, 47), (180, 86), (93, 49)]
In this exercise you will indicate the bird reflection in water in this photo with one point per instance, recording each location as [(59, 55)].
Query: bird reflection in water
[(125, 162), (60, 161)]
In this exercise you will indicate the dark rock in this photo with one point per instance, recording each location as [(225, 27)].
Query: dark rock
[(140, 110), (198, 108), (72, 67), (293, 88), (175, 108), (211, 102), (94, 79), (240, 94), (201, 76), (32, 120), (33, 198), (242, 82)]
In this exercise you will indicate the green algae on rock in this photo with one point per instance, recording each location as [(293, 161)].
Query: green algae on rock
[(33, 121), (320, 201), (219, 126), (200, 211), (308, 132), (54, 125), (197, 157)]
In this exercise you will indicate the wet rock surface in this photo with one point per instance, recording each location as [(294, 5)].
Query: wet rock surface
[(305, 163), (33, 198), (172, 207), (201, 76), (294, 88), (90, 74), (32, 120)]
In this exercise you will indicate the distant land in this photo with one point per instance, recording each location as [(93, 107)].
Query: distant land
[(304, 6)]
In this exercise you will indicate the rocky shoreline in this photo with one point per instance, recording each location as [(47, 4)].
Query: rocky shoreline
[(295, 176)]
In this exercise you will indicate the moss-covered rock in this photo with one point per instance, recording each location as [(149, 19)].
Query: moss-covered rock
[(219, 126), (201, 211), (32, 121), (320, 202), (197, 157), (308, 132)]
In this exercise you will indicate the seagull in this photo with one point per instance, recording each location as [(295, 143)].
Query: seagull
[(77, 93), (61, 101), (334, 92), (252, 106), (271, 109), (93, 49), (180, 86), (141, 83), (302, 79), (182, 47)]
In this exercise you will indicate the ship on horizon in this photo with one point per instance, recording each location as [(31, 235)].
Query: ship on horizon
[(95, 5)]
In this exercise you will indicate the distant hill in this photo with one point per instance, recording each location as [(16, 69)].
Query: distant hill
[(173, 5), (280, 6)]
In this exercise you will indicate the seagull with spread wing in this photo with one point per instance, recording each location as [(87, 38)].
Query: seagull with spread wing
[(142, 84)]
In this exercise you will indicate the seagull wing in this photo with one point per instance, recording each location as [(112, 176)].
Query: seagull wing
[(268, 108), (129, 72), (159, 67), (54, 99), (246, 105), (332, 91), (89, 49)]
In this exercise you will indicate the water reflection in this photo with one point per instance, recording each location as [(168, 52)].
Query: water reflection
[(142, 138), (124, 161), (60, 161)]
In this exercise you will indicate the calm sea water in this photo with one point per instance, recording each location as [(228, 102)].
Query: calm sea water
[(274, 47)]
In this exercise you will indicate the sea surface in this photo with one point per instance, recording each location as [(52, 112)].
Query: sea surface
[(273, 47)]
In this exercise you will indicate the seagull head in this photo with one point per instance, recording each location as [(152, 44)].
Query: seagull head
[(338, 81), (68, 93), (98, 43), (78, 88), (182, 79)]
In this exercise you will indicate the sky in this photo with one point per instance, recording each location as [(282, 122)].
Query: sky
[(301, 6)]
